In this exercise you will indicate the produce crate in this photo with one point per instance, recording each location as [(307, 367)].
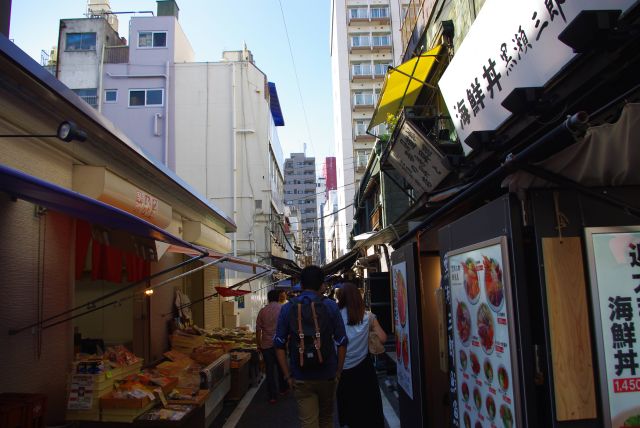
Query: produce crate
[(100, 385), (111, 402), (125, 414)]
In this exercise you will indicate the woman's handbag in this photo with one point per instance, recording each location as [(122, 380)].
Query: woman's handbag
[(376, 346)]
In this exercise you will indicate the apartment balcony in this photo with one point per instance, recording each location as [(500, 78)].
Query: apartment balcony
[(363, 107), (361, 49), (368, 77), (361, 167), (91, 100), (378, 20), (116, 55), (365, 138)]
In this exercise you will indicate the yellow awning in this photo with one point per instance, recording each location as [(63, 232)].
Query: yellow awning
[(403, 84)]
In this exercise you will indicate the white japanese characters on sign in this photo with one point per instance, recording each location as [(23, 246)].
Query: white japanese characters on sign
[(511, 44)]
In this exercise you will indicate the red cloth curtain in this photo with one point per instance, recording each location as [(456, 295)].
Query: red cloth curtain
[(106, 261)]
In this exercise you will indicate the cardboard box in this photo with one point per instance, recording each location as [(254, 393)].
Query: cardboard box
[(231, 321), (230, 307)]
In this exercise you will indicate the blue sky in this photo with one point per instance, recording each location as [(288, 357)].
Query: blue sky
[(213, 26)]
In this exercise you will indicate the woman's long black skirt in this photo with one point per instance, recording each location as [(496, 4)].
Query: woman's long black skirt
[(359, 400)]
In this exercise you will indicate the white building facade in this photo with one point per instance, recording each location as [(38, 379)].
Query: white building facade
[(214, 124), (365, 41)]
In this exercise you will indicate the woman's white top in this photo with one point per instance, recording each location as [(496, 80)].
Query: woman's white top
[(358, 335)]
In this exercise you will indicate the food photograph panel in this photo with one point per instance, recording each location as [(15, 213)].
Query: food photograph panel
[(483, 342)]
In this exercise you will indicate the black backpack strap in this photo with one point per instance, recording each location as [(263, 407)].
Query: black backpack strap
[(316, 339), (300, 335)]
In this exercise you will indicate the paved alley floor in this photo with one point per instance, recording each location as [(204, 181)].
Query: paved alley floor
[(254, 410)]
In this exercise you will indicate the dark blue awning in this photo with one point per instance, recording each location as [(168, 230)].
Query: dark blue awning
[(23, 186), (274, 103)]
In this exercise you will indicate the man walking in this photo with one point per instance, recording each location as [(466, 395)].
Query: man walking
[(313, 327), (265, 330)]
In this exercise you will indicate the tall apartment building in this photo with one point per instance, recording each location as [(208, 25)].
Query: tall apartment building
[(300, 190), (214, 123), (365, 41), (327, 183)]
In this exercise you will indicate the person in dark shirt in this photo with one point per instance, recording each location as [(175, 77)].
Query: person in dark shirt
[(314, 390)]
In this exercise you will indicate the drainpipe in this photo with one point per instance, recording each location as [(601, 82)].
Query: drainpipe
[(166, 115), (99, 94), (235, 155)]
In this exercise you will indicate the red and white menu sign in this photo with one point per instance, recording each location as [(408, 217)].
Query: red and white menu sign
[(481, 338), (615, 279)]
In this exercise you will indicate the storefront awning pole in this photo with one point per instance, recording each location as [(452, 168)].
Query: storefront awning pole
[(188, 305), (131, 296), (572, 125), (106, 296), (566, 182)]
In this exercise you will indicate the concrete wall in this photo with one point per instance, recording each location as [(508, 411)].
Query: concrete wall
[(139, 123), (81, 69), (205, 157), (26, 365)]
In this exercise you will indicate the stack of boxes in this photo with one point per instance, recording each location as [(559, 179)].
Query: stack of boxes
[(230, 314)]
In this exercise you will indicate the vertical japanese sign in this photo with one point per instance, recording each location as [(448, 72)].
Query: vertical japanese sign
[(483, 335), (614, 260), (401, 319), (81, 392)]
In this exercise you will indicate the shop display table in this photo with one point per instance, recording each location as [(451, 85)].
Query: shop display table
[(195, 418), (240, 379)]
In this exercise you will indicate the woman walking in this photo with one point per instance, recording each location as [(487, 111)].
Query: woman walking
[(358, 395)]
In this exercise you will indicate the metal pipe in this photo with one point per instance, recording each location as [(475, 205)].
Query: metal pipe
[(106, 296), (129, 297), (571, 127)]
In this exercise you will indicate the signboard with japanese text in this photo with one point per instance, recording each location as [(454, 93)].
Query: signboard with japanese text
[(403, 335), (417, 160), (81, 392), (484, 349), (614, 262), (511, 44)]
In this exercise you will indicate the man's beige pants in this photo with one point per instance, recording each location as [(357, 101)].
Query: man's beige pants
[(315, 400)]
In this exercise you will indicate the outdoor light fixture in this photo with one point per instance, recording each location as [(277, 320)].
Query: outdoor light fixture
[(148, 292), (67, 131)]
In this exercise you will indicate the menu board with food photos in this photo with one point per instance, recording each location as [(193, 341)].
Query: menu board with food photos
[(481, 311), (401, 316)]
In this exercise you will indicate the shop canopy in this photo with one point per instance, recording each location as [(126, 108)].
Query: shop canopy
[(403, 84), (230, 262), (40, 192)]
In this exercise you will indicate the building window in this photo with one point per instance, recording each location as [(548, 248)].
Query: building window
[(379, 12), (361, 40), (152, 39), (363, 98), (358, 13), (381, 40), (362, 158), (361, 69), (111, 96), (81, 42), (380, 68), (361, 127), (90, 96), (380, 129), (146, 97)]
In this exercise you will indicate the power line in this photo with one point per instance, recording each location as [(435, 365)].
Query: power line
[(295, 72), (315, 194)]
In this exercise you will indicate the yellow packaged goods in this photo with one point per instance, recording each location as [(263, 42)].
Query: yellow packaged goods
[(207, 354), (92, 378), (184, 342)]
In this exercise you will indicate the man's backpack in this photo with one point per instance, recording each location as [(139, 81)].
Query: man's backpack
[(311, 332)]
